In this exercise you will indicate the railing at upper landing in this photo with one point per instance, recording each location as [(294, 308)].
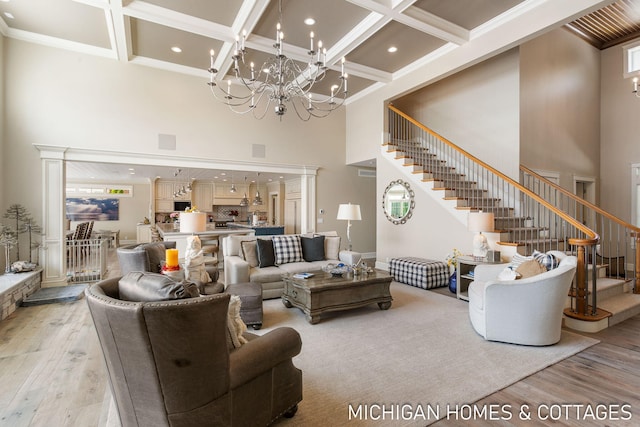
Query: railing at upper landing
[(478, 186)]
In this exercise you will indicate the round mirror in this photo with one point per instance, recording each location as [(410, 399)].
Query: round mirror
[(397, 202)]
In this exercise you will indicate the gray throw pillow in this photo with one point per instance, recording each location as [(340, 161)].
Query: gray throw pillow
[(140, 286), (266, 256), (156, 253), (312, 248), (249, 252)]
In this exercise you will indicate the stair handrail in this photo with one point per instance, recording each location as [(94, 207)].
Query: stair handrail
[(593, 236)]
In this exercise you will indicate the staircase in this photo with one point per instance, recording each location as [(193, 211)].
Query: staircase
[(526, 220)]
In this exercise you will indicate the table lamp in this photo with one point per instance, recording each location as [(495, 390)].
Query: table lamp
[(349, 213), (478, 222)]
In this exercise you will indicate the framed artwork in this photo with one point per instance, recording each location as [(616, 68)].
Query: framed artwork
[(90, 209)]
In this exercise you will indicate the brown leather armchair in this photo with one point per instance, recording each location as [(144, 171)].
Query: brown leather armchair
[(169, 363)]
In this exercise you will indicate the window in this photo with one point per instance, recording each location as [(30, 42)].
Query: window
[(631, 59)]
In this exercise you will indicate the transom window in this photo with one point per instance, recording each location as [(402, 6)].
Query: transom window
[(632, 59)]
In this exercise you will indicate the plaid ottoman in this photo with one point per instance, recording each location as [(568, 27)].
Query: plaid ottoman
[(419, 272)]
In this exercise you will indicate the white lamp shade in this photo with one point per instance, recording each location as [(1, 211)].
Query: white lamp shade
[(349, 212), (480, 221), (193, 222)]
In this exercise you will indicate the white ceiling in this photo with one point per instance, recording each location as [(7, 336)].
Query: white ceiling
[(143, 32)]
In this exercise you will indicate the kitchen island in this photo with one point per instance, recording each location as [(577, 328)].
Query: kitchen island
[(259, 230), (171, 234)]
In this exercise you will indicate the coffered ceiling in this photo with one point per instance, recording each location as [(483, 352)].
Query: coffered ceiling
[(363, 31)]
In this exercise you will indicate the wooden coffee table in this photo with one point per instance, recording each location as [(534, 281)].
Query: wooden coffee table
[(323, 293)]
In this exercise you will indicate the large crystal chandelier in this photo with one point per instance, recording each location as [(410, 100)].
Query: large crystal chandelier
[(279, 82)]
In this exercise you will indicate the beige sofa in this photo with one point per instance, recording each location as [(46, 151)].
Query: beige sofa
[(238, 269)]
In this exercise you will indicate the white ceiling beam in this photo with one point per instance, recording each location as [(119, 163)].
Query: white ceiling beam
[(170, 18), (119, 28), (246, 19), (418, 19)]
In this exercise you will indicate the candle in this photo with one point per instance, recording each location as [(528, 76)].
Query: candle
[(319, 49), (311, 36), (171, 257), (212, 52)]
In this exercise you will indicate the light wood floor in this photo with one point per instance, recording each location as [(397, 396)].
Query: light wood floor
[(52, 374)]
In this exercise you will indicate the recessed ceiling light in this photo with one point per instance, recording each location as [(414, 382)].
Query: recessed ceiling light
[(9, 15), (131, 169), (176, 49), (309, 21), (132, 173), (392, 49)]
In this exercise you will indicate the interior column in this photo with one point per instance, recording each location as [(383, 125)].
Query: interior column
[(53, 253)]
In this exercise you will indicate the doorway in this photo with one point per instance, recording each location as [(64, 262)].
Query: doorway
[(585, 188)]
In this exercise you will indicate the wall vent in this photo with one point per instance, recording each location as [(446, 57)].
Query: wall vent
[(166, 142), (259, 150)]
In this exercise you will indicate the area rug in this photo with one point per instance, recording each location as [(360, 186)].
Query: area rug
[(407, 366)]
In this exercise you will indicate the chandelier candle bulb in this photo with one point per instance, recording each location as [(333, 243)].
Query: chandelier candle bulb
[(212, 53), (341, 66), (311, 36), (319, 50), (635, 85)]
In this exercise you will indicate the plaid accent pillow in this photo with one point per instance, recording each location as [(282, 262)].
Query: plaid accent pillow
[(287, 249)]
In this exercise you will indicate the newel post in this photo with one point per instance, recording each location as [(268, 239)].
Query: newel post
[(636, 285), (581, 281)]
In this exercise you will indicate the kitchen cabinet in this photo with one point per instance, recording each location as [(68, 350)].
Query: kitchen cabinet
[(164, 206), (164, 190), (223, 191), (222, 194), (203, 196), (293, 189), (143, 233)]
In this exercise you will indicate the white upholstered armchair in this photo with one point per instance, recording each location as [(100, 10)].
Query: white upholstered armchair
[(525, 311)]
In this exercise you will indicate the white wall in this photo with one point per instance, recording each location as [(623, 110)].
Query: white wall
[(620, 140), (68, 99), (432, 232), (560, 106)]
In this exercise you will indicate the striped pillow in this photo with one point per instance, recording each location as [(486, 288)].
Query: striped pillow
[(287, 249), (548, 260)]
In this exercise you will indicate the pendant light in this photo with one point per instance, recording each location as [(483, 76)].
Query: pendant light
[(244, 201), (257, 201), (233, 186)]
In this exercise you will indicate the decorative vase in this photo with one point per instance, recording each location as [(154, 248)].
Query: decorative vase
[(453, 283)]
